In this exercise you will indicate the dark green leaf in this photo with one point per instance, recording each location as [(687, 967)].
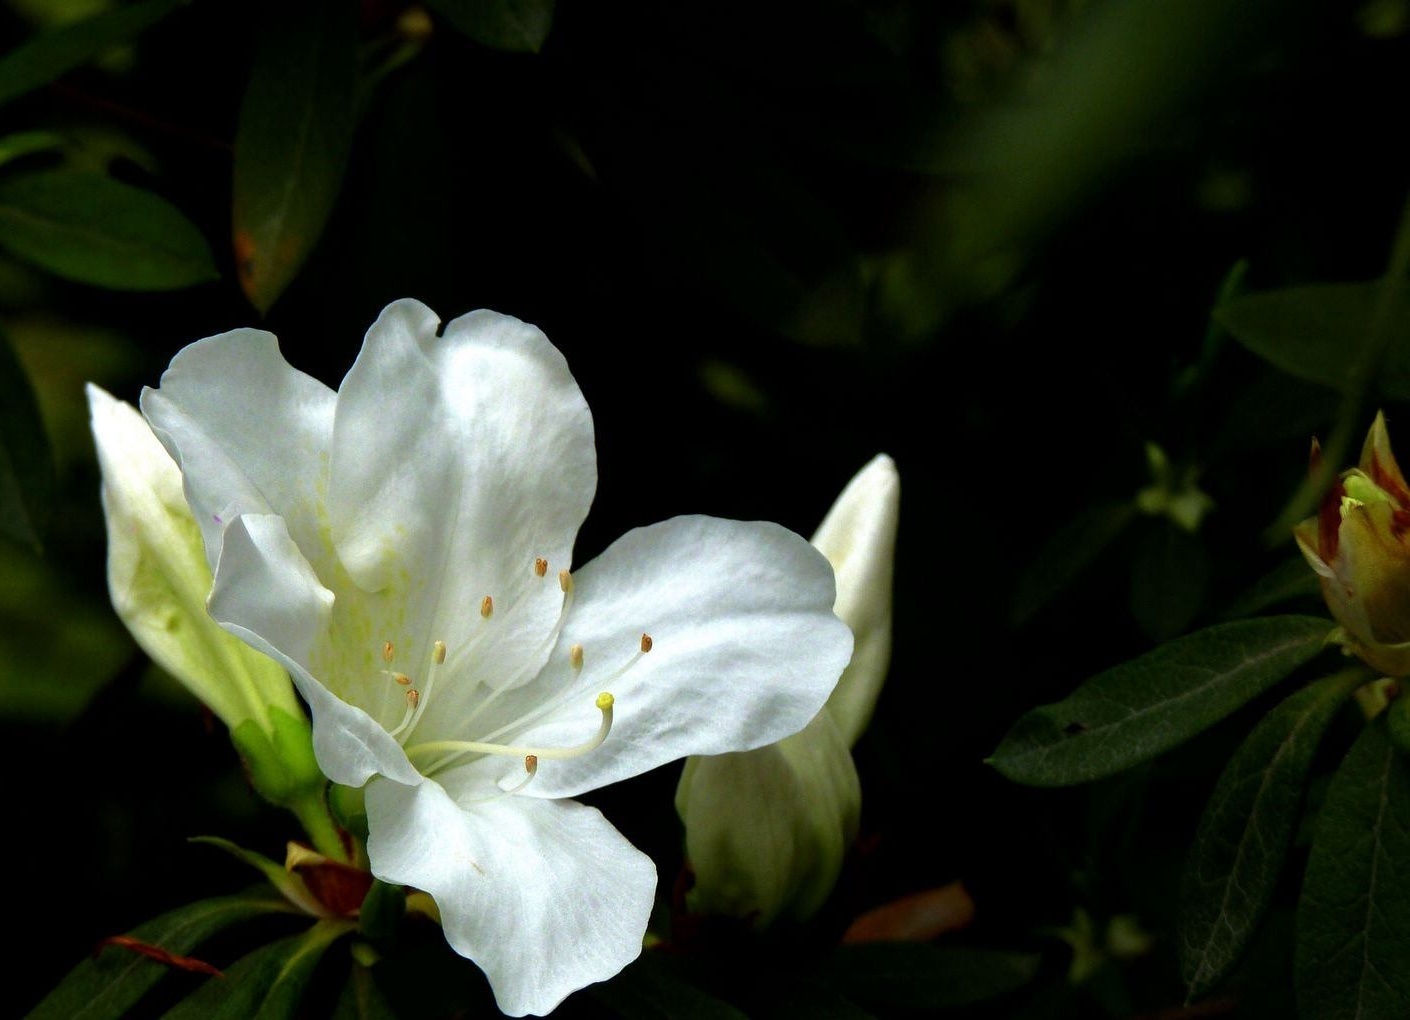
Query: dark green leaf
[(27, 143), (1243, 837), (92, 229), (111, 983), (1352, 960), (1067, 554), (917, 975), (653, 988), (1317, 332), (46, 56), (362, 999), (26, 466), (267, 984), (1291, 580), (1137, 710), (292, 143), (1168, 578), (519, 26)]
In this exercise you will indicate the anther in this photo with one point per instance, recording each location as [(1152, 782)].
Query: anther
[(540, 566), (387, 651), (413, 696), (645, 643), (531, 763), (565, 581), (438, 652), (575, 656), (402, 679), (486, 607)]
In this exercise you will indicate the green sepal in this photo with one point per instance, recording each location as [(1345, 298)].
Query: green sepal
[(382, 910), (349, 808), (280, 760)]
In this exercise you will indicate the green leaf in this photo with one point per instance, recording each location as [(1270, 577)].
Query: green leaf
[(917, 975), (1352, 959), (1169, 573), (653, 988), (1135, 711), (267, 984), (46, 56), (93, 229), (362, 999), (1243, 837), (27, 143), (1067, 554), (1318, 332), (288, 884), (519, 26), (26, 465), (293, 140), (108, 985), (1291, 580)]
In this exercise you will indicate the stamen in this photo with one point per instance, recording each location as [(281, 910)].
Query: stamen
[(531, 766), (486, 607), (456, 748), (540, 566), (413, 697), (438, 652), (645, 643), (575, 656), (402, 679), (565, 581), (388, 651)]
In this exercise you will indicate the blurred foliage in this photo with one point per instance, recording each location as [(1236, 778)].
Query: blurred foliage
[(992, 238)]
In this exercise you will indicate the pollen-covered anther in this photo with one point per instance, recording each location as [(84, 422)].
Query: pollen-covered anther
[(540, 566), (565, 581), (531, 763), (402, 679), (388, 651), (645, 643), (487, 607), (575, 656), (438, 653)]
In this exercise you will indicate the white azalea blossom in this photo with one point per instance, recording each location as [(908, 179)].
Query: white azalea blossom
[(767, 830), (403, 546)]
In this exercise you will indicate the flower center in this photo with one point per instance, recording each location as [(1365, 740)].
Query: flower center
[(432, 756)]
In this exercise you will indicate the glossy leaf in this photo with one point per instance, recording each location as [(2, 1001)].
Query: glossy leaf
[(653, 989), (918, 975), (26, 464), (49, 54), (267, 984), (1317, 332), (92, 229), (109, 984), (519, 26), (1352, 959), (1242, 840), (1135, 711), (292, 143)]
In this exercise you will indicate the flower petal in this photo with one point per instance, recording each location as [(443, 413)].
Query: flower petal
[(858, 537), (745, 650), (546, 897), (267, 595), (159, 579), (766, 831), (250, 433), (457, 461)]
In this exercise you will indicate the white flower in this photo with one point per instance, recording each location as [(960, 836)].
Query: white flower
[(767, 830), (403, 546)]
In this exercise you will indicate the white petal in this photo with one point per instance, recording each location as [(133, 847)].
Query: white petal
[(545, 896), (250, 432), (457, 461), (745, 650), (267, 595), (767, 830), (158, 576), (858, 537)]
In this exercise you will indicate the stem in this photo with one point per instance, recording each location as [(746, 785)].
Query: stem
[(1363, 375), (314, 814)]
